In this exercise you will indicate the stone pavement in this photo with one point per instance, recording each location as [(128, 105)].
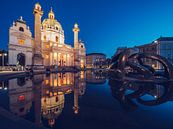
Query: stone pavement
[(10, 121)]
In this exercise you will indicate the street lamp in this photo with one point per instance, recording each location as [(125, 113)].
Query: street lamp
[(3, 55)]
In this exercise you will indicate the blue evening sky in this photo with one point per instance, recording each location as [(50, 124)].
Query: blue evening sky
[(105, 24)]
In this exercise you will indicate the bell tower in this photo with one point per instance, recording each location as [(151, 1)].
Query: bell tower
[(76, 46), (37, 58), (76, 32)]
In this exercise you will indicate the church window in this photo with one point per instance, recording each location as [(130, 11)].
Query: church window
[(57, 99), (44, 37), (57, 39), (56, 28), (47, 82), (47, 46), (47, 56), (21, 41), (21, 29)]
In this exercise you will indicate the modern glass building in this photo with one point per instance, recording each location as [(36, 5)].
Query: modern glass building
[(162, 46), (165, 47)]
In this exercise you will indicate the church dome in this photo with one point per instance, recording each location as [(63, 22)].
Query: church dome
[(52, 107), (51, 22)]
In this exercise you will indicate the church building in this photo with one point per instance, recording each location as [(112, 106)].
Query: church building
[(48, 47)]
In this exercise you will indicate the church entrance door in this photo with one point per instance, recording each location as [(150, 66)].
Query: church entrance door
[(21, 59)]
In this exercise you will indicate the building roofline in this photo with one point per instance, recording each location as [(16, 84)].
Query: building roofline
[(165, 39), (96, 54)]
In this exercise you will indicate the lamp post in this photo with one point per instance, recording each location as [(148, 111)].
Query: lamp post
[(3, 60)]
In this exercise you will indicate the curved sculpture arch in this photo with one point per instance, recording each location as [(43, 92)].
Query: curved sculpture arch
[(127, 61)]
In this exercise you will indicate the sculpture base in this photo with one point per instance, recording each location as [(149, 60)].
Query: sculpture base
[(38, 66), (37, 60)]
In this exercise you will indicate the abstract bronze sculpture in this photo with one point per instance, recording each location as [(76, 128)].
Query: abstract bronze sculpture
[(129, 65)]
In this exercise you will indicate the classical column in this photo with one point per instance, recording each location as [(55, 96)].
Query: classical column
[(53, 58), (37, 83), (76, 45), (76, 93), (66, 63), (57, 58), (37, 57), (76, 32)]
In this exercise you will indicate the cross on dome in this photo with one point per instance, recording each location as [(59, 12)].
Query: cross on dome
[(51, 14)]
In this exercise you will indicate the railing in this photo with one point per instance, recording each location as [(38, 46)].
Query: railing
[(11, 68)]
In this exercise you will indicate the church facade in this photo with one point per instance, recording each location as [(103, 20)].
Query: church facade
[(48, 47)]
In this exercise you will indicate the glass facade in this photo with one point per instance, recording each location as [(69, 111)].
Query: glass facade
[(166, 50)]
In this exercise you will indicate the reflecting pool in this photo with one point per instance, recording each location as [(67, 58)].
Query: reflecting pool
[(88, 100)]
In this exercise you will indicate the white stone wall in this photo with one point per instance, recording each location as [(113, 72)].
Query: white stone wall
[(20, 42)]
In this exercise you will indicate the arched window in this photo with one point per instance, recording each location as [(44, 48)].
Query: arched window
[(21, 59), (21, 29), (21, 81), (57, 39), (56, 28), (57, 99)]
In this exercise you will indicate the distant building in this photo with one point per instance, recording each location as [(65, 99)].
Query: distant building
[(162, 46), (149, 48), (165, 47), (95, 60)]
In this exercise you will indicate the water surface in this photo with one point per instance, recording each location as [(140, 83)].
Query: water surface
[(88, 100)]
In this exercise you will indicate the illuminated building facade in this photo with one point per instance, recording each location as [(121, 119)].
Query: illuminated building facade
[(95, 60), (48, 46)]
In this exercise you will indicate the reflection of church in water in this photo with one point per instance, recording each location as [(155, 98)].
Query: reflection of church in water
[(20, 95), (54, 90), (47, 93), (48, 46)]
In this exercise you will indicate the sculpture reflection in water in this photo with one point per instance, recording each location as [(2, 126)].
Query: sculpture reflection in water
[(131, 79), (46, 94), (131, 94)]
